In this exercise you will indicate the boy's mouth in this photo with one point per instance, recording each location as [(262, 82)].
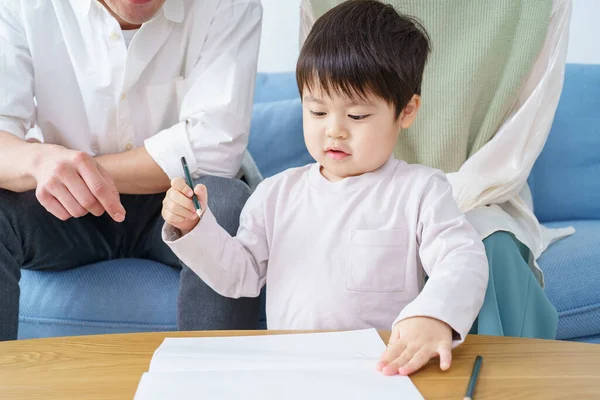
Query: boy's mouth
[(336, 154)]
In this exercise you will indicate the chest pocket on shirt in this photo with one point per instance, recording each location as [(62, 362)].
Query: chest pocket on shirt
[(164, 102), (377, 260)]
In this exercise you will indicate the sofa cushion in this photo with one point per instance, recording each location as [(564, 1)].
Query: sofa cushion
[(564, 180), (276, 138), (587, 339), (108, 297), (571, 269), (117, 296)]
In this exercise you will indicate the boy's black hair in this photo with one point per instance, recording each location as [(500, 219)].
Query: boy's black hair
[(363, 47)]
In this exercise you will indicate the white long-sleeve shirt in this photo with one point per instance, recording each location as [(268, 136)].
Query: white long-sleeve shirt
[(491, 186), (183, 87), (346, 255)]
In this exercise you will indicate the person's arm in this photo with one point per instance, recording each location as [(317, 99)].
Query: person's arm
[(232, 266), (17, 108), (455, 261), (16, 163), (68, 183), (215, 113), (499, 170), (135, 172), (453, 257)]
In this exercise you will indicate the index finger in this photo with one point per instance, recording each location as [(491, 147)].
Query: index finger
[(180, 185), (390, 354), (103, 188)]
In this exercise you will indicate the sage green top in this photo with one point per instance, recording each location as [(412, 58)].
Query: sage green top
[(482, 51)]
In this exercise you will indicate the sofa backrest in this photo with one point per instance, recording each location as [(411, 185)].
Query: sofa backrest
[(276, 86), (565, 180), (276, 137)]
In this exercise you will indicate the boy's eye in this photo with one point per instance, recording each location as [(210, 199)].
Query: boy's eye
[(358, 117), (317, 114)]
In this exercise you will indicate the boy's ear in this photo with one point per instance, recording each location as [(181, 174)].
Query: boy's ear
[(409, 113)]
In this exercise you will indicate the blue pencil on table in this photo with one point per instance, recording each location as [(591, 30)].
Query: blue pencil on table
[(473, 380), (190, 182)]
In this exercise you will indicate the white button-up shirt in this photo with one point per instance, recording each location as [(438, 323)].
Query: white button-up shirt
[(183, 87)]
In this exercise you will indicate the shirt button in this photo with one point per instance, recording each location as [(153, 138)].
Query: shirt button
[(123, 96), (114, 36), (128, 146)]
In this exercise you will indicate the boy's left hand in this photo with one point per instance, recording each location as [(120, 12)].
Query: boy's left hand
[(414, 341)]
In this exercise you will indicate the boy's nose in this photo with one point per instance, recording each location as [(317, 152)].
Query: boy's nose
[(336, 132)]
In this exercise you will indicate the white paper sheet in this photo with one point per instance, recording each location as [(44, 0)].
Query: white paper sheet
[(298, 366), (275, 385), (296, 351)]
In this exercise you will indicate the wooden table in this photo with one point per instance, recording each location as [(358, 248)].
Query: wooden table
[(110, 367)]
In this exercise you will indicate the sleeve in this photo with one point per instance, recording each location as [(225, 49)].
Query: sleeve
[(17, 108), (499, 170), (453, 257), (216, 109), (232, 266)]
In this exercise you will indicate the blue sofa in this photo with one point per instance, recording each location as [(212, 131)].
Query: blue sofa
[(140, 295)]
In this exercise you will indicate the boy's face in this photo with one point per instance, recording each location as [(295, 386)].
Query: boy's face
[(350, 137)]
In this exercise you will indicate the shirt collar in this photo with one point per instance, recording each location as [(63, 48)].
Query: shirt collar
[(174, 10)]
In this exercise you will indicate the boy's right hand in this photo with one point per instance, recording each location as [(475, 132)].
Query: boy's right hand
[(178, 208)]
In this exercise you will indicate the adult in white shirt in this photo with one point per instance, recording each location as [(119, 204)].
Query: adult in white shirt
[(99, 101)]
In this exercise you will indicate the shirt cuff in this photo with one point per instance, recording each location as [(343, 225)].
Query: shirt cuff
[(168, 146), (12, 126), (200, 240), (200, 251)]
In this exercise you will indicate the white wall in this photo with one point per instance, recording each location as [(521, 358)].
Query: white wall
[(584, 40), (279, 46)]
